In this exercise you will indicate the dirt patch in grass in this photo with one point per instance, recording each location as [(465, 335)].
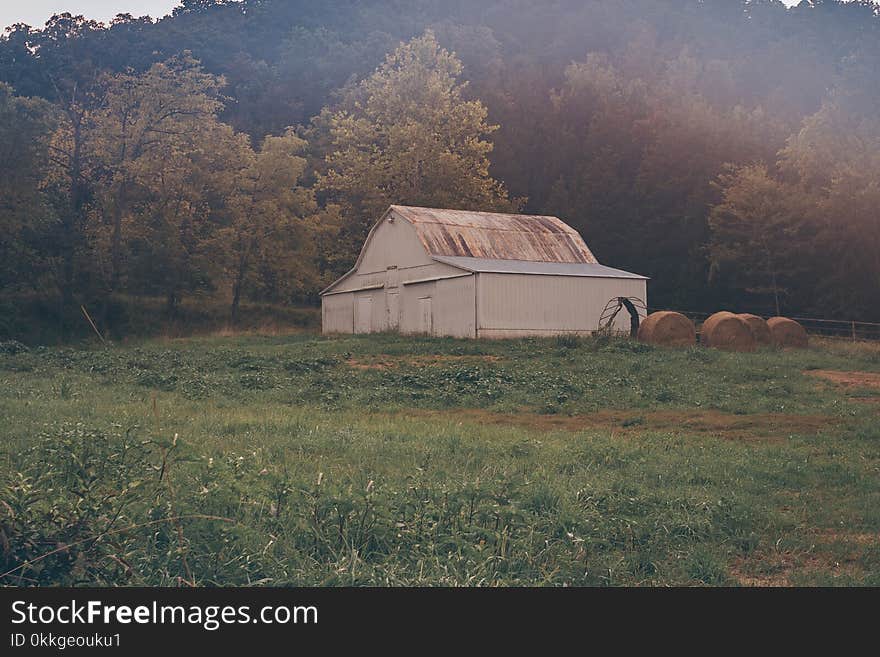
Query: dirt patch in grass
[(757, 571), (855, 538), (848, 379), (763, 426), (776, 568), (389, 361), (779, 568)]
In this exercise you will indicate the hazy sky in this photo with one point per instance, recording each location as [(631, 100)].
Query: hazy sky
[(35, 12)]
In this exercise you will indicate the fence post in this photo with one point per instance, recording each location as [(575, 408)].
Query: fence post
[(854, 330)]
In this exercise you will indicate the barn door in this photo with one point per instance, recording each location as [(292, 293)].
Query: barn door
[(426, 316), (363, 312), (392, 276), (392, 299)]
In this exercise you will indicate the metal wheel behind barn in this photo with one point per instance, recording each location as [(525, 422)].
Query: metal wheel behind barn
[(636, 308)]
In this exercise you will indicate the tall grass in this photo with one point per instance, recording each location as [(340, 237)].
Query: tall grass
[(273, 460)]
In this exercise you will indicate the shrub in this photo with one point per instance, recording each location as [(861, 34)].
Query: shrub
[(62, 507)]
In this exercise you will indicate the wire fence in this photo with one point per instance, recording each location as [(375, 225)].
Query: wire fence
[(832, 328)]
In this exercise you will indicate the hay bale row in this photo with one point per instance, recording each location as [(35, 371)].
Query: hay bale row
[(728, 332), (723, 330), (787, 333), (667, 328), (759, 328)]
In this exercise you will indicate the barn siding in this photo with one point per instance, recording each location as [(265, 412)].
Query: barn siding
[(393, 243), (455, 307), (409, 305), (452, 307), (515, 305), (337, 313), (507, 305)]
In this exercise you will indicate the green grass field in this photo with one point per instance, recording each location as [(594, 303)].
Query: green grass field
[(381, 460)]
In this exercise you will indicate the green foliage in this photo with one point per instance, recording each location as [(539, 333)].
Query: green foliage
[(407, 135), (148, 140), (761, 239), (12, 347), (34, 320), (62, 508), (267, 244), (836, 155), (134, 157), (25, 217)]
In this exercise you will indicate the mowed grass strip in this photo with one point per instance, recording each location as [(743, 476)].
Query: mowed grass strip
[(381, 460)]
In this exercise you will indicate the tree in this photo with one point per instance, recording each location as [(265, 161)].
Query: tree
[(761, 236), (632, 163), (25, 128), (181, 193), (69, 184), (836, 155), (312, 64), (267, 240), (187, 198), (72, 81), (141, 119), (593, 151), (406, 135), (810, 234)]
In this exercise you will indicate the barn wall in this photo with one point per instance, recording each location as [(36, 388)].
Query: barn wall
[(337, 313), (366, 311), (393, 243), (398, 306), (411, 305), (507, 305), (515, 305), (365, 302), (450, 303), (455, 304)]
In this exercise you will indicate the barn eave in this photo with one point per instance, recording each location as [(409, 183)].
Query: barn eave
[(536, 268)]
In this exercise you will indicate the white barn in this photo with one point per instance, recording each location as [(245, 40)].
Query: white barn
[(475, 275)]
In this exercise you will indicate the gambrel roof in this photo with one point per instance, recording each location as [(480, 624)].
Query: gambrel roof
[(495, 236), (496, 242)]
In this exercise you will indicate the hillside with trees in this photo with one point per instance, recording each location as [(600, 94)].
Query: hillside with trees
[(238, 151)]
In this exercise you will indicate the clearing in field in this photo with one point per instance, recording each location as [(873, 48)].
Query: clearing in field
[(303, 460), (727, 426), (849, 379)]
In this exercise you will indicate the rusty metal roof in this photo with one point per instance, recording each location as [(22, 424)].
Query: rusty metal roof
[(496, 236)]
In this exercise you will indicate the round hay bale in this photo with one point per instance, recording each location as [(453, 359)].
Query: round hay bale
[(667, 328), (787, 333), (726, 331), (759, 328)]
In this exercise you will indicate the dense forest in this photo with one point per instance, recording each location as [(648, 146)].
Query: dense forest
[(239, 151)]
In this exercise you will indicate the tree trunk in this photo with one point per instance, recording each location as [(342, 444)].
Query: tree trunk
[(237, 284), (70, 227), (171, 301), (236, 298), (776, 294), (116, 238)]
